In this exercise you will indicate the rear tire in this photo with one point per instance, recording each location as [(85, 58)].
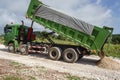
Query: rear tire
[(70, 55), (11, 47), (54, 53)]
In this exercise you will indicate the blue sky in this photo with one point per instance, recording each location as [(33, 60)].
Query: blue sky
[(96, 12)]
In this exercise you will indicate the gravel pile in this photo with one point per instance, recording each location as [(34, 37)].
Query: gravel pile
[(108, 63)]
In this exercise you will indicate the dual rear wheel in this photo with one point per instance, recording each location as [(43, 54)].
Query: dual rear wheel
[(54, 53), (69, 55)]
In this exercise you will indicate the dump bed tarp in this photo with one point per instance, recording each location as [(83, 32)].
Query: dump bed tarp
[(58, 17)]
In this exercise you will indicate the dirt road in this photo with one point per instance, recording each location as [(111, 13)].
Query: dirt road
[(85, 67)]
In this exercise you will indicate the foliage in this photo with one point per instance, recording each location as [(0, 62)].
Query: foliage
[(1, 39), (112, 50), (116, 39)]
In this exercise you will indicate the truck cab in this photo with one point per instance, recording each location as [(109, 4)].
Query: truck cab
[(15, 35)]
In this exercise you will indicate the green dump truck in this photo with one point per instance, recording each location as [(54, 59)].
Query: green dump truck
[(90, 38)]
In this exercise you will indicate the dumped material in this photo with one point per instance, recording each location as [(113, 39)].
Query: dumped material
[(108, 63)]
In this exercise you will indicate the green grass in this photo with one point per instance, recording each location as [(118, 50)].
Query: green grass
[(42, 70), (16, 64), (112, 50), (32, 78), (1, 39), (12, 78), (73, 77)]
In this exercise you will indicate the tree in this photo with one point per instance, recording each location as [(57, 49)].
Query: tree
[(116, 39)]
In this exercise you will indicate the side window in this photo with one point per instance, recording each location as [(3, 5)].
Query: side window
[(9, 29)]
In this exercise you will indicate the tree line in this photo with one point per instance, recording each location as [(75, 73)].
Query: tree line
[(116, 38)]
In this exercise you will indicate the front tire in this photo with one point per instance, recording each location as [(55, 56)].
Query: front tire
[(11, 48), (54, 53), (70, 55)]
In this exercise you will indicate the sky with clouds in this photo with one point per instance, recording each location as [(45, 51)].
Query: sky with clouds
[(96, 12)]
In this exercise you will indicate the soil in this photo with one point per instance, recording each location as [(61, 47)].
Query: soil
[(108, 63)]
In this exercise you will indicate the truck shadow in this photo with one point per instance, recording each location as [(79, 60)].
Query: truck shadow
[(3, 49), (85, 61), (39, 55)]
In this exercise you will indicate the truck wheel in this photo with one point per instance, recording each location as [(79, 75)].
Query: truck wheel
[(54, 53), (70, 55), (11, 47), (23, 50)]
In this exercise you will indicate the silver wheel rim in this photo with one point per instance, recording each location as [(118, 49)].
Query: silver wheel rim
[(11, 48), (22, 50)]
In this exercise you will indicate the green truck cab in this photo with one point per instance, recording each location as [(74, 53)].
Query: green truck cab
[(15, 34)]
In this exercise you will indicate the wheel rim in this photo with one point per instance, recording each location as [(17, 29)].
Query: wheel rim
[(22, 50), (69, 56), (54, 53), (11, 48)]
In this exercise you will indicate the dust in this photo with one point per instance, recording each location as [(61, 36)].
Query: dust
[(108, 63)]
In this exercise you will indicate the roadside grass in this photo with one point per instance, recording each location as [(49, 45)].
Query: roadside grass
[(12, 78), (42, 69), (1, 39), (112, 50), (32, 78), (16, 64), (70, 77)]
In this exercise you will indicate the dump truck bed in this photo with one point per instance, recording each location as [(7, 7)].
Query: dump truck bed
[(88, 36)]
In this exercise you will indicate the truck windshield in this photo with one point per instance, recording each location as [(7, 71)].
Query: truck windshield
[(7, 29)]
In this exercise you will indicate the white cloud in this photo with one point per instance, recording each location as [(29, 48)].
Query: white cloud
[(85, 10), (19, 7), (7, 17)]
